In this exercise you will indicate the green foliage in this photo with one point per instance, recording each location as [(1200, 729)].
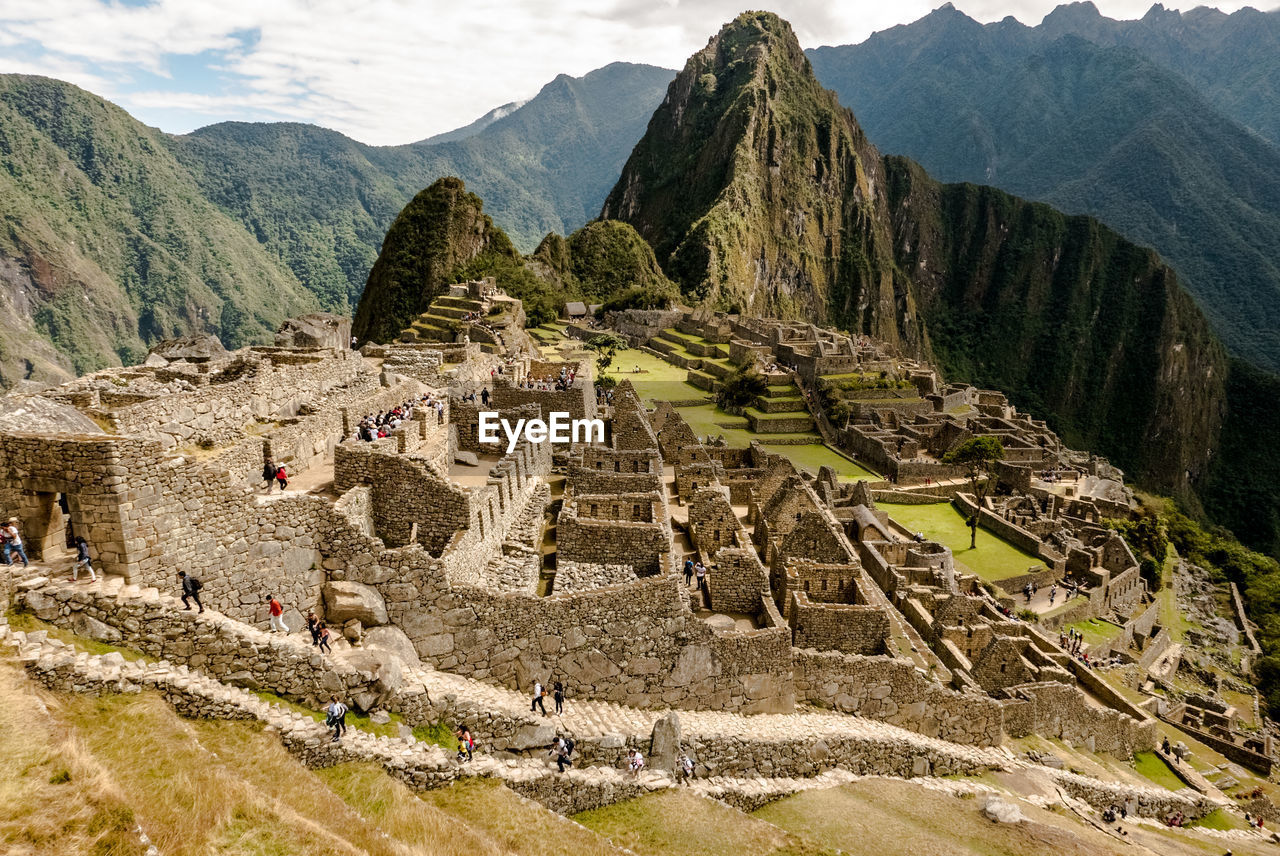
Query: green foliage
[(1147, 538), (1145, 143), (605, 346), (608, 255), (741, 388), (639, 298), (976, 454)]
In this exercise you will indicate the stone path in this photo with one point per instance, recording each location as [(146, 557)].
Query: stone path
[(748, 749)]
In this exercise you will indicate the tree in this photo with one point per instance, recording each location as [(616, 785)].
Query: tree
[(976, 455), (741, 388), (606, 345)]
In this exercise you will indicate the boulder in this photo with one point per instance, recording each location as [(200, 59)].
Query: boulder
[(92, 628), (998, 810), (37, 414), (664, 742), (353, 630), (468, 458), (196, 348), (393, 640), (317, 330), (344, 601), (378, 676), (532, 737)]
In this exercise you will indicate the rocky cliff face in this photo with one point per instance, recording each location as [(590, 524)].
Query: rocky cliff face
[(760, 193), (441, 231), (1070, 319)]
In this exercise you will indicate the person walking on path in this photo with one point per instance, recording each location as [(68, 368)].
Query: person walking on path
[(701, 570), (563, 752), (277, 615), (268, 473), (336, 718), (322, 639), (688, 572), (466, 743), (684, 768), (82, 560), (190, 590), (538, 704), (484, 396), (282, 478), (558, 695), (313, 625), (13, 543)]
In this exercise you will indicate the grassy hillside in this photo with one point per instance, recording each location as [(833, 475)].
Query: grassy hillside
[(108, 244)]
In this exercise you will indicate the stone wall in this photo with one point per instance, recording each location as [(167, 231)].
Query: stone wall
[(894, 691), (617, 530), (848, 628), (579, 400), (737, 580), (1061, 711)]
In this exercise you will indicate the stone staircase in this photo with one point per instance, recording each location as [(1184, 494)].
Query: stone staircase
[(754, 757)]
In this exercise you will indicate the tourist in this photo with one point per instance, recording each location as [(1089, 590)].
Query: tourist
[(1053, 593), (484, 396), (636, 762), (684, 768), (558, 695), (190, 589), (268, 473), (276, 612), (13, 543), (561, 750), (700, 570), (324, 639), (688, 573), (282, 478), (313, 625), (336, 718), (538, 704), (82, 560), (466, 745)]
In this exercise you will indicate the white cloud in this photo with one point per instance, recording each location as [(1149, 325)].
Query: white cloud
[(392, 71)]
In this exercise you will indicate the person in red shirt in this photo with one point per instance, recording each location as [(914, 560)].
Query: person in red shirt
[(277, 615)]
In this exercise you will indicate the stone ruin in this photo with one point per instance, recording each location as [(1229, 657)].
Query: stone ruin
[(536, 565)]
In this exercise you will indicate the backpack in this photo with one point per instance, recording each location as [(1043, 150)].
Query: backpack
[(196, 585), (568, 745)]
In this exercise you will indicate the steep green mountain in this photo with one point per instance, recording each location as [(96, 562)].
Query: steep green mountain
[(118, 235), (599, 259), (1233, 60), (321, 202), (443, 236), (1067, 317), (757, 189), (759, 192), (109, 245), (1088, 129), (441, 231)]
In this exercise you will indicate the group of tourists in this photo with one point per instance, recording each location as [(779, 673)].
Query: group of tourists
[(320, 632), (273, 473), (540, 692), (551, 383), (696, 570), (485, 397), (375, 426)]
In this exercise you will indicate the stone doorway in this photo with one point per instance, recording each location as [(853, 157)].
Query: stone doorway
[(48, 521)]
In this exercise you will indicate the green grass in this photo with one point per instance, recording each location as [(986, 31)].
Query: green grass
[(1066, 605), (1219, 819), (657, 380), (517, 824), (1096, 630), (1152, 766), (993, 560), (679, 823), (26, 622), (814, 456), (441, 735)]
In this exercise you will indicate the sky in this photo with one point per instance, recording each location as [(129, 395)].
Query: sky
[(395, 71)]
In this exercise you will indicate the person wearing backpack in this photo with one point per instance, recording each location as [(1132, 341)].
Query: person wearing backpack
[(268, 473), (190, 589), (558, 695), (82, 560), (564, 749), (336, 718)]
